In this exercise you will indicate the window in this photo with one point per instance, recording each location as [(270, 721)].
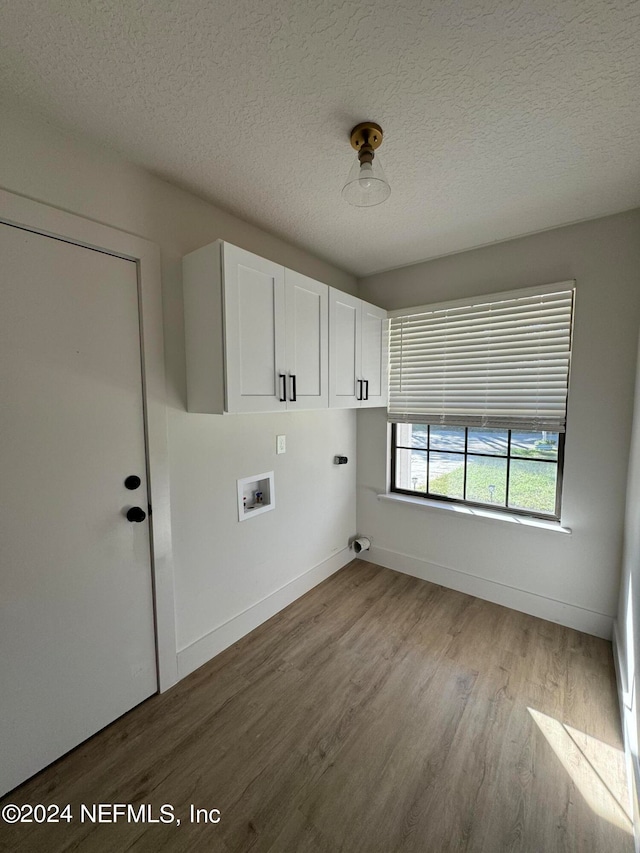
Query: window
[(517, 470), (477, 399)]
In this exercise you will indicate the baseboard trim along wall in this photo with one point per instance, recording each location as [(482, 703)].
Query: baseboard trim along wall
[(589, 621), (627, 717), (216, 641), (621, 678)]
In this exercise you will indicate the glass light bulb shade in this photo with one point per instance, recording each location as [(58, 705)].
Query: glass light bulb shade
[(366, 184)]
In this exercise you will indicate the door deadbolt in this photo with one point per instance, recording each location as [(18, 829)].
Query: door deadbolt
[(136, 514)]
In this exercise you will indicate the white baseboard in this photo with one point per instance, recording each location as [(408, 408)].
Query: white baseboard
[(589, 621), (621, 671), (627, 718), (207, 647)]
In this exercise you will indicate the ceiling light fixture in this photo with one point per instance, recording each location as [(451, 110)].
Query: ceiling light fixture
[(366, 185)]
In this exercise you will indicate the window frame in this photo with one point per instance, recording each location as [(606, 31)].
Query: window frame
[(507, 510)]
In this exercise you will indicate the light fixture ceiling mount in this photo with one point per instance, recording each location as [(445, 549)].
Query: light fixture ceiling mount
[(367, 134), (366, 184)]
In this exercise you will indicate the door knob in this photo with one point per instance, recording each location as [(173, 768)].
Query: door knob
[(136, 513)]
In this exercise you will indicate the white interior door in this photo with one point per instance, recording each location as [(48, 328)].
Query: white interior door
[(307, 319), (76, 611)]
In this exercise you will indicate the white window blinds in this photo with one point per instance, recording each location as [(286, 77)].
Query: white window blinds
[(500, 360)]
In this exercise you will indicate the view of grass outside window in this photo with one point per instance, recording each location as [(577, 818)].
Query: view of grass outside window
[(501, 468)]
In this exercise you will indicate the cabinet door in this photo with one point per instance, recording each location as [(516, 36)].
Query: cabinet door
[(344, 350), (307, 357), (375, 349), (254, 332)]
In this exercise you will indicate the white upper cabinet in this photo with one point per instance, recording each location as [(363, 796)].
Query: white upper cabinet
[(345, 349), (256, 334), (307, 342), (375, 355), (358, 352)]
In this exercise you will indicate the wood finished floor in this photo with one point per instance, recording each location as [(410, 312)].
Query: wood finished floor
[(378, 713)]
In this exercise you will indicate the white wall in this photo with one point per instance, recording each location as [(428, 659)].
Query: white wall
[(573, 579), (628, 621), (221, 567)]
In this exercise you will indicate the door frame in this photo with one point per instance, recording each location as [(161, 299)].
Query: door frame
[(40, 218)]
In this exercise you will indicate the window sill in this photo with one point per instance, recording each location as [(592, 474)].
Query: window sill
[(475, 512)]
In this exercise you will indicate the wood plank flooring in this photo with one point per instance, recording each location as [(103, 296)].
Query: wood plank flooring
[(378, 713)]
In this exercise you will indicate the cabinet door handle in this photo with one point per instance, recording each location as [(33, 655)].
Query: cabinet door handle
[(366, 389), (283, 388), (294, 394), (359, 390)]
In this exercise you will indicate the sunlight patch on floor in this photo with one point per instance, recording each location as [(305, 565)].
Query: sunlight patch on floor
[(597, 769)]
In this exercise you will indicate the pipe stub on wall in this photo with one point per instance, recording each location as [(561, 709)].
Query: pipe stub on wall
[(361, 544)]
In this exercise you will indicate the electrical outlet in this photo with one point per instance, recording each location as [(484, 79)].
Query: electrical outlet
[(281, 444)]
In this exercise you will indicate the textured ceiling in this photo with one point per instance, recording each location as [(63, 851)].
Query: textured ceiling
[(501, 117)]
